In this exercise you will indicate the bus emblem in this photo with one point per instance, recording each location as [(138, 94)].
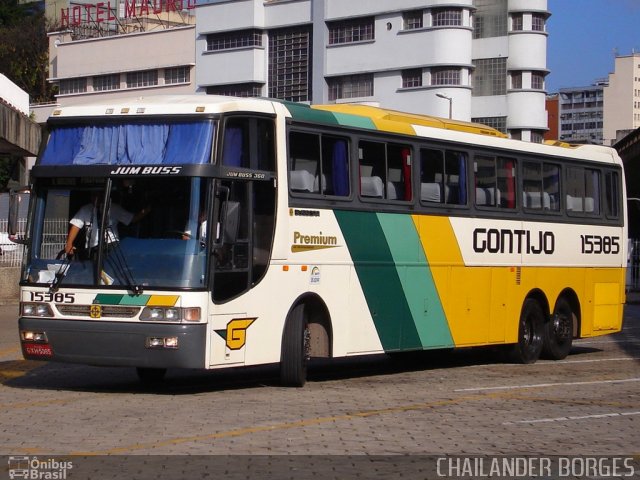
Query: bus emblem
[(95, 311), (236, 333)]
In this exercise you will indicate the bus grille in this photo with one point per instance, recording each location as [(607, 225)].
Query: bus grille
[(112, 311)]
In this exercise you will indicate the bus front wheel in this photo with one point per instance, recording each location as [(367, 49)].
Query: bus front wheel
[(295, 349), (530, 333), (558, 332)]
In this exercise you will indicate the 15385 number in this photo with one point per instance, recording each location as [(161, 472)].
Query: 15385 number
[(52, 297), (597, 244)]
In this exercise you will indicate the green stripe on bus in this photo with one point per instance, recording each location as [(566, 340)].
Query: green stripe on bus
[(119, 299), (417, 281), (304, 113), (383, 291), (348, 120)]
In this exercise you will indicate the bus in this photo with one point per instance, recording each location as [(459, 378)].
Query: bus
[(254, 231)]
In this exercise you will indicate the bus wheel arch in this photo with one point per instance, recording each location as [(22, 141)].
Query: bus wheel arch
[(534, 312), (307, 333), (562, 326)]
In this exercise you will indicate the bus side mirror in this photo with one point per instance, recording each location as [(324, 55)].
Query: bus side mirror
[(15, 198)]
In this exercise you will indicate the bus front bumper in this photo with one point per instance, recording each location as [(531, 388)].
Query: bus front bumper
[(127, 344)]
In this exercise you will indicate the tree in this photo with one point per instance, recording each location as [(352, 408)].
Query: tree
[(24, 50)]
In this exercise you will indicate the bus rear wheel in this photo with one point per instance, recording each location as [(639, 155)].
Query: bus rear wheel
[(558, 332), (530, 333), (295, 348)]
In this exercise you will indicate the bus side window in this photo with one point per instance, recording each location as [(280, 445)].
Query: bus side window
[(495, 181), (612, 194), (385, 170), (443, 177), (372, 169), (304, 162), (583, 191)]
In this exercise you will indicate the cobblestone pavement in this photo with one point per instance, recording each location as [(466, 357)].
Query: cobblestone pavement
[(463, 402)]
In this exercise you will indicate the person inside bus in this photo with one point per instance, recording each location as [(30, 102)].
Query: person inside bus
[(88, 217)]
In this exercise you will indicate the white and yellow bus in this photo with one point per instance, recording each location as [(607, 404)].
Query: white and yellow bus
[(261, 232)]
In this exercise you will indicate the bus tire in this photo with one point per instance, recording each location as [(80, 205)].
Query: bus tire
[(295, 349), (151, 376), (558, 331), (530, 333)]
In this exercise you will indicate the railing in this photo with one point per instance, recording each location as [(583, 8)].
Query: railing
[(10, 253), (633, 265), (54, 237)]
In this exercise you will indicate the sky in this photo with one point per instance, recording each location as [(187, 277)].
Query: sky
[(584, 37)]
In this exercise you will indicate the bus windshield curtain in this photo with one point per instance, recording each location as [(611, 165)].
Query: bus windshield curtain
[(340, 169), (131, 144)]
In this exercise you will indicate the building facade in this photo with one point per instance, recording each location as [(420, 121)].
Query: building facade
[(479, 60), (622, 98), (581, 111), (474, 60)]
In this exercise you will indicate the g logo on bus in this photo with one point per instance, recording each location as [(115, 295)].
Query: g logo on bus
[(95, 311), (236, 333)]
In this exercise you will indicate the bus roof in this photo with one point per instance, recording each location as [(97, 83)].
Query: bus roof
[(344, 115)]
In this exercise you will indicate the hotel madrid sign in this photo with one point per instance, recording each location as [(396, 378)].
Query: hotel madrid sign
[(104, 11)]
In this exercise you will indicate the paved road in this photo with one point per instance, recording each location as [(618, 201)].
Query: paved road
[(463, 402)]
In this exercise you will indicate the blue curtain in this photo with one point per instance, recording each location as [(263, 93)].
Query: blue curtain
[(130, 144), (340, 170), (232, 155)]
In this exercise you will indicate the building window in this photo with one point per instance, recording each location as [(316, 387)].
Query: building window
[(73, 85), (412, 78), (445, 76), (516, 80), (144, 78), (350, 86), (412, 20), (490, 77), (499, 123), (290, 64), (537, 81), (236, 90), (538, 22), (446, 17), (490, 18), (176, 75), (516, 22), (229, 40), (106, 82), (351, 31)]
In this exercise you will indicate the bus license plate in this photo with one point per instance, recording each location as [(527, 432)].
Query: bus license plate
[(38, 349)]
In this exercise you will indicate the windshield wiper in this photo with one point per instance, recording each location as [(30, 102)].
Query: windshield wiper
[(61, 272), (119, 263)]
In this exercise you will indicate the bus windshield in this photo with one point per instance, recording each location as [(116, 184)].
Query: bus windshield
[(152, 232)]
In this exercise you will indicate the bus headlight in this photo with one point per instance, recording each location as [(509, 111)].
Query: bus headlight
[(35, 310), (170, 314)]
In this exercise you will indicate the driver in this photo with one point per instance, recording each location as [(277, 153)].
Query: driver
[(89, 217)]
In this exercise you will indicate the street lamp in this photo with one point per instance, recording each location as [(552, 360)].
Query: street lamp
[(447, 97)]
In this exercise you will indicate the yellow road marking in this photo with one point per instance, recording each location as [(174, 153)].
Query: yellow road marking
[(16, 368), (9, 351)]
